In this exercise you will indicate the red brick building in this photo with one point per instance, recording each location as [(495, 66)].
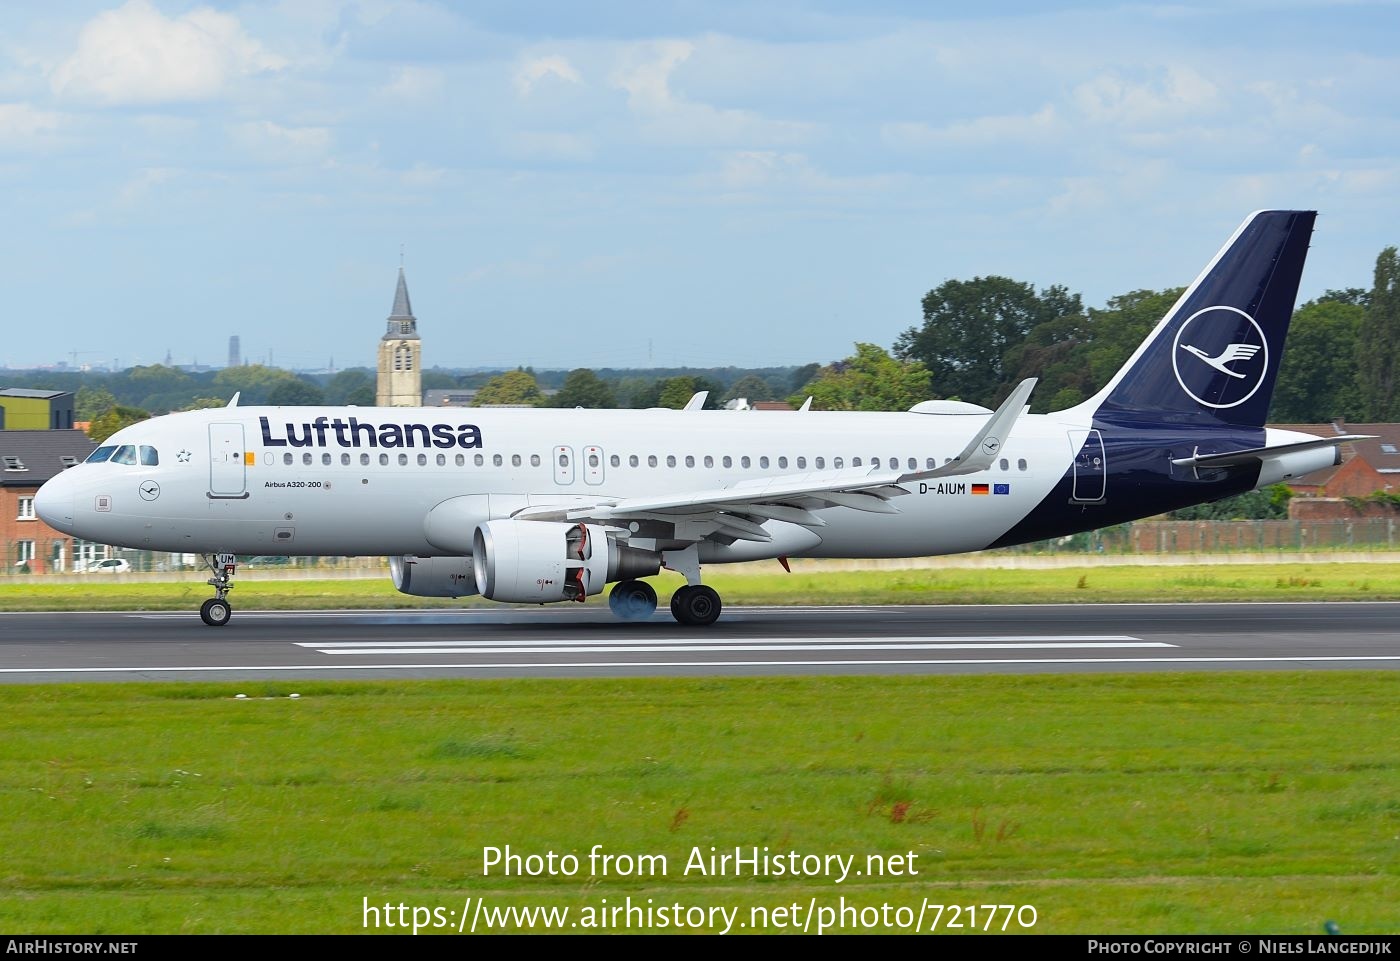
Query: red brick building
[(1368, 467), (27, 459)]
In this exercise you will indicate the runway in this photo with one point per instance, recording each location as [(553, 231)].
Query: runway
[(588, 642)]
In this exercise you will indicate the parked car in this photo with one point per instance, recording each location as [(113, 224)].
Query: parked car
[(112, 565)]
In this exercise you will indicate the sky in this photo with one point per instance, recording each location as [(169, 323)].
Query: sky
[(638, 184)]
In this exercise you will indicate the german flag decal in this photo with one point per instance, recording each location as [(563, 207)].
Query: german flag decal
[(981, 489)]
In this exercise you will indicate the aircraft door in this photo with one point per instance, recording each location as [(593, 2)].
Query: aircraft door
[(593, 465), (563, 465), (227, 473), (1090, 466)]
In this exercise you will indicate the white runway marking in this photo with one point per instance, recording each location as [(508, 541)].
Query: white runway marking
[(1013, 643)]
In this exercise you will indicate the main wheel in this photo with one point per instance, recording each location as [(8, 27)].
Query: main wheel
[(215, 612), (632, 600), (696, 606)]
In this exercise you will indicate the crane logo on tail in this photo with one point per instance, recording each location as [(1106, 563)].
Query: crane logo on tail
[(1220, 357)]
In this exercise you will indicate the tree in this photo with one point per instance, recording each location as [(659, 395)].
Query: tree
[(969, 327), (869, 380), (677, 391), (1378, 343), (583, 388), (1114, 332), (751, 387), (113, 420), (1317, 380), (295, 393), (514, 388), (346, 384), (253, 382), (91, 402)]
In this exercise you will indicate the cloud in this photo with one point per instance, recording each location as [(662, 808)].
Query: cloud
[(277, 144), (135, 54), (533, 71), (977, 132), (1182, 92), (22, 127), (415, 83), (675, 119)]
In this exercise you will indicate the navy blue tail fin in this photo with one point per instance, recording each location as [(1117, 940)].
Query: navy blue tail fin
[(1215, 356)]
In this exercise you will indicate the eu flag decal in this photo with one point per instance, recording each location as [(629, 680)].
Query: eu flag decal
[(1001, 488)]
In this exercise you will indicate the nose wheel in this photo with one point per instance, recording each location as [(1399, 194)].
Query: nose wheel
[(216, 611)]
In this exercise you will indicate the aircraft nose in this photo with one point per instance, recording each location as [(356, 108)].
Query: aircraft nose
[(54, 504)]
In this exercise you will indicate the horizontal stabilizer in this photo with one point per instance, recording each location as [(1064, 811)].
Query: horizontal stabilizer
[(1236, 458)]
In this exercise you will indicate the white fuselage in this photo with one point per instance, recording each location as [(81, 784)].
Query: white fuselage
[(224, 482)]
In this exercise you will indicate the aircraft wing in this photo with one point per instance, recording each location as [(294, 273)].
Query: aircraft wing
[(739, 510)]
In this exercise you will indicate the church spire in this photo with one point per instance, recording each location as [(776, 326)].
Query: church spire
[(402, 324)]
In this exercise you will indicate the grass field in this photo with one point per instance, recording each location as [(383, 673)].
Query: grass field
[(1160, 803), (1238, 582)]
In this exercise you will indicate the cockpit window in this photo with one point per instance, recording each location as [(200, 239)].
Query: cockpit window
[(100, 455), (126, 454), (149, 457)]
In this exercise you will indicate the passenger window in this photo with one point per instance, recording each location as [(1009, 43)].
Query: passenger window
[(403, 460), (442, 460), (744, 462), (423, 460), (763, 462), (479, 460), (728, 461), (1021, 464), (460, 460), (149, 457), (615, 461), (383, 460), (563, 460), (855, 461), (689, 460), (534, 460), (930, 463), (836, 462), (345, 460), (651, 460), (499, 461), (100, 455), (709, 461), (913, 463), (1004, 465), (515, 460), (287, 459), (820, 463), (894, 463), (306, 458), (670, 460), (364, 460), (633, 461), (782, 463), (126, 454), (802, 463)]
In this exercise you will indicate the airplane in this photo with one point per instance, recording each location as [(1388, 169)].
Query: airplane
[(537, 506)]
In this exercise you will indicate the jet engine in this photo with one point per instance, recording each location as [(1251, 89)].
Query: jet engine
[(536, 562), (433, 576)]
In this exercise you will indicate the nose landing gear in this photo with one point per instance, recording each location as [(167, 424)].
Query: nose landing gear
[(216, 611)]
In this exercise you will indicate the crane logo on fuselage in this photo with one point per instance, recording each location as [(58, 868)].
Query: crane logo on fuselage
[(325, 432)]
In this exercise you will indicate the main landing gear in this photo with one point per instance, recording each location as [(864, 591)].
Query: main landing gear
[(216, 611), (632, 600), (695, 605)]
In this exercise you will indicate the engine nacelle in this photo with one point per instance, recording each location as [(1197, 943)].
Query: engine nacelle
[(433, 576), (536, 562)]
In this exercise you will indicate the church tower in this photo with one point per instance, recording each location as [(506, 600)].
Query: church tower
[(400, 356)]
